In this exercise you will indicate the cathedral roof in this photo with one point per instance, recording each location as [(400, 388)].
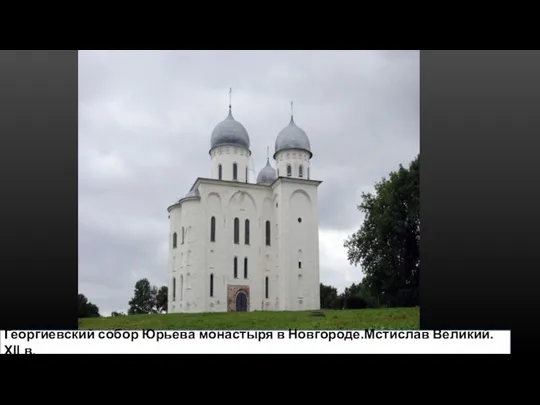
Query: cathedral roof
[(292, 137), (193, 193), (267, 175), (230, 132)]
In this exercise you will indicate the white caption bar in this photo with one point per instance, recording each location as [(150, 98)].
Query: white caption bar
[(254, 342)]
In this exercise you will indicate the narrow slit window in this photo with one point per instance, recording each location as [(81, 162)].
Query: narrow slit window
[(246, 232), (236, 231), (267, 233), (213, 229)]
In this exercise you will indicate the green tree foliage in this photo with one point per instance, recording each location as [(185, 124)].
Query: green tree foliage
[(144, 298), (329, 295), (356, 296), (87, 309), (359, 290), (147, 299), (354, 302), (161, 299), (387, 245), (114, 313)]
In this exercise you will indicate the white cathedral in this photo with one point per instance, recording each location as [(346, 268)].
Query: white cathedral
[(238, 245)]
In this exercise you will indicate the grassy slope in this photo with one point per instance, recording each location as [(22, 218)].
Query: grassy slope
[(392, 318)]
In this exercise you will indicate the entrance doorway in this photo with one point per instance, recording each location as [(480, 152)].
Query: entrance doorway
[(241, 302)]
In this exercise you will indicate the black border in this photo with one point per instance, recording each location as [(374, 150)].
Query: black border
[(479, 122), (38, 174), (480, 129)]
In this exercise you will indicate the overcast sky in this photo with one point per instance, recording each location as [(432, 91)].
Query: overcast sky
[(145, 119)]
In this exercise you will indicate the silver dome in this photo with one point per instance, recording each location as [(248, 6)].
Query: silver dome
[(267, 175), (292, 137), (230, 132)]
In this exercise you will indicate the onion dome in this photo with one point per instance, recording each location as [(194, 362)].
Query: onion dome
[(267, 175), (230, 132), (292, 137)]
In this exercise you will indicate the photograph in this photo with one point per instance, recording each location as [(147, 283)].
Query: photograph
[(249, 190)]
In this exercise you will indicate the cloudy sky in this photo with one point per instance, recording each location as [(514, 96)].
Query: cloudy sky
[(145, 119)]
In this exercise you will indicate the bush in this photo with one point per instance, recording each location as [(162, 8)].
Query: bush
[(338, 303), (114, 313), (355, 303), (371, 302)]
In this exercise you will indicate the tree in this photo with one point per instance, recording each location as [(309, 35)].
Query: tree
[(87, 309), (359, 290), (387, 245), (328, 296), (114, 313), (144, 298), (161, 299), (353, 290), (354, 302)]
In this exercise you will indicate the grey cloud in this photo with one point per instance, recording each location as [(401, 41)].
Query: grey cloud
[(145, 120)]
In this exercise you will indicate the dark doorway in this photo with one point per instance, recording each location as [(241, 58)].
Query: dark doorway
[(241, 302)]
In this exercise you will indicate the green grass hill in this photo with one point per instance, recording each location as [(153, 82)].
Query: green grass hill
[(387, 318)]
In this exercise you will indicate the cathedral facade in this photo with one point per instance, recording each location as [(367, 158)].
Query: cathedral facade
[(239, 245)]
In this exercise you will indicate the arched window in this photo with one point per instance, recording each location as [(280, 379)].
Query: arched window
[(246, 232), (235, 272), (289, 170), (174, 238), (300, 171), (267, 233), (235, 171), (183, 234), (174, 289), (213, 229), (266, 287), (236, 231), (211, 285), (245, 267), (220, 172)]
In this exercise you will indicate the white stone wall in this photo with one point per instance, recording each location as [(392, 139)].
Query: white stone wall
[(294, 158), (226, 156), (298, 242), (187, 258), (193, 262)]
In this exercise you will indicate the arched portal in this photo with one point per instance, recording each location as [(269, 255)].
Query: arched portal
[(241, 302)]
